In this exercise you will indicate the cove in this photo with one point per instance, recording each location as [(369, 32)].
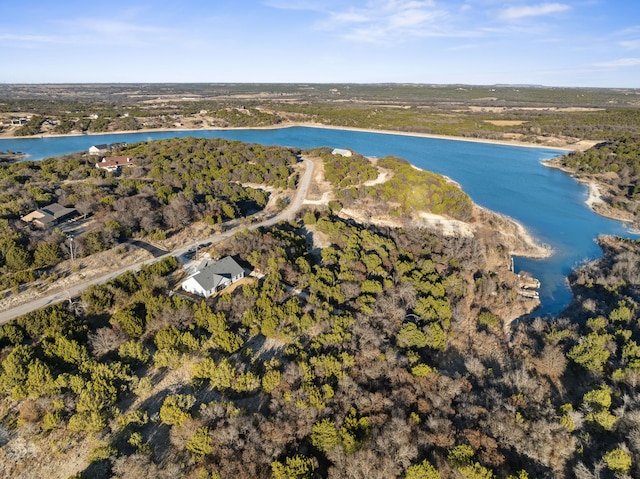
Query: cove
[(507, 179)]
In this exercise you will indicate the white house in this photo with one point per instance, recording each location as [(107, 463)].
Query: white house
[(98, 149), (213, 276)]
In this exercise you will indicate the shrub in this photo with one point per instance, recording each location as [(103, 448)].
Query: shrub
[(175, 410), (618, 460), (324, 435), (92, 421), (102, 452), (200, 443), (134, 351), (296, 467), (424, 470), (129, 321)]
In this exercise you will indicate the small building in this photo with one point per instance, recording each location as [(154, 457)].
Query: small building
[(50, 215), (117, 145), (213, 276), (103, 149), (99, 149), (113, 163), (18, 121), (342, 152)]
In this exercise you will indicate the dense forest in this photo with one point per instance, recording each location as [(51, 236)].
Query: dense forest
[(353, 351), (364, 357)]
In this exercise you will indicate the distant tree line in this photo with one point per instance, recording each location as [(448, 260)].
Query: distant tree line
[(601, 114)]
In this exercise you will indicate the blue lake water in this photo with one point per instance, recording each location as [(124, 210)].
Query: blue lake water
[(507, 179)]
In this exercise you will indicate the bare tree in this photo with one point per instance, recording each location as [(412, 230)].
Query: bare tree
[(105, 340)]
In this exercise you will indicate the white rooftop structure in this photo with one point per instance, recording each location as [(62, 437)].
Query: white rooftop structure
[(341, 151), (213, 276)]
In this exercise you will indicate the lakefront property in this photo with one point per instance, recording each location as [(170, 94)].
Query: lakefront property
[(212, 277), (113, 163), (371, 344), (104, 148)]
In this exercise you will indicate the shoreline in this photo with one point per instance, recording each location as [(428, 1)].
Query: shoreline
[(533, 249), (581, 145), (441, 137), (595, 200)]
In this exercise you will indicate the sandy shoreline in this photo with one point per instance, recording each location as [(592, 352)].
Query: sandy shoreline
[(596, 202), (595, 199), (577, 146)]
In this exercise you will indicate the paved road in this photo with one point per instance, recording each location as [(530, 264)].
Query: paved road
[(155, 251), (285, 215)]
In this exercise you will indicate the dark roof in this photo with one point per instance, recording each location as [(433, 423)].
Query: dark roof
[(102, 146), (212, 274), (56, 210), (50, 214)]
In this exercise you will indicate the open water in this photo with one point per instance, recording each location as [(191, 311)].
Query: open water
[(507, 179)]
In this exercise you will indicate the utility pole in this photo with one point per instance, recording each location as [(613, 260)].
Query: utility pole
[(71, 249)]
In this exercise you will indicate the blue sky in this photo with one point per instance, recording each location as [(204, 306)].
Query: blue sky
[(556, 43)]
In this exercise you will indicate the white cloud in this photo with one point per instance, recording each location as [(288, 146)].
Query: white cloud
[(111, 27), (621, 62), (30, 38), (91, 31), (410, 18), (387, 21), (630, 44), (463, 47), (311, 5), (347, 18), (515, 13)]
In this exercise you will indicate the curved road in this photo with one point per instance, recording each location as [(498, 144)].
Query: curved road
[(285, 215)]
